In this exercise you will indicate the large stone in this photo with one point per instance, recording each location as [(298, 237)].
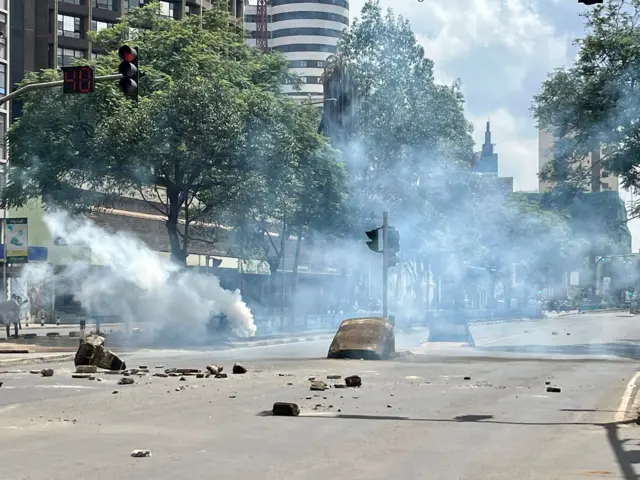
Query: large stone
[(238, 369), (363, 338), (286, 409), (318, 385), (93, 352), (47, 372), (353, 381), (126, 381), (187, 371), (140, 453), (215, 369)]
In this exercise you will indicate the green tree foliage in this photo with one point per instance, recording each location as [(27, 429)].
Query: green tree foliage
[(210, 127)]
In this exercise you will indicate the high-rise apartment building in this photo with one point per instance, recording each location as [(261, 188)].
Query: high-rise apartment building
[(600, 180), (307, 32)]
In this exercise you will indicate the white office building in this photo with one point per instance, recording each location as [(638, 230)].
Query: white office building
[(307, 32)]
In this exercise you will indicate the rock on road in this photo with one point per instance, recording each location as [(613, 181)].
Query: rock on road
[(415, 417)]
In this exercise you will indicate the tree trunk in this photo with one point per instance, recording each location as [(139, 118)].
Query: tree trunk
[(294, 279), (178, 253)]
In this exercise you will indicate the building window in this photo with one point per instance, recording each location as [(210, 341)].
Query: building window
[(605, 186), (129, 4), (3, 78), (303, 63), (306, 47), (320, 64), (339, 3), (605, 174), (73, 2), (167, 9), (308, 32), (106, 4), (66, 56), (96, 56), (69, 26), (96, 26), (3, 36)]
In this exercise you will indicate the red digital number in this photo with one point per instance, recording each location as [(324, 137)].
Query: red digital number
[(85, 80)]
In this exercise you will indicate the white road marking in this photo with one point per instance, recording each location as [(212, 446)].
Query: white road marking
[(626, 399)]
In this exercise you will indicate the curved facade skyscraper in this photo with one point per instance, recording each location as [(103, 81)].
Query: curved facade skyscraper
[(307, 32)]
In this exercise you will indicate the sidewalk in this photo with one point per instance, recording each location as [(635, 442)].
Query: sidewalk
[(37, 354)]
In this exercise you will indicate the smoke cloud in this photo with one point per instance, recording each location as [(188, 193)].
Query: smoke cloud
[(131, 282)]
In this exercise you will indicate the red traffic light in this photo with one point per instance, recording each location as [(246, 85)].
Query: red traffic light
[(127, 54)]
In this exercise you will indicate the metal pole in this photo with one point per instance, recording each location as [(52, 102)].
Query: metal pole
[(385, 264), (4, 256), (58, 83), (88, 29), (54, 60)]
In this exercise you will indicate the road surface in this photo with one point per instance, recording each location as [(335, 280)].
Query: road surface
[(415, 417)]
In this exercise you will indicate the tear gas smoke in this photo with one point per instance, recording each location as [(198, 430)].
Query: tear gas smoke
[(138, 285)]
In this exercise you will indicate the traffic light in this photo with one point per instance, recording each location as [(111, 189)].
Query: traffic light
[(374, 242), (393, 237), (128, 68), (590, 2)]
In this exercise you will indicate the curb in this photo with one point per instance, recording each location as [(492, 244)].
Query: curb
[(35, 359)]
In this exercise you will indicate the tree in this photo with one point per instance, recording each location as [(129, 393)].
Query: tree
[(186, 147), (591, 107)]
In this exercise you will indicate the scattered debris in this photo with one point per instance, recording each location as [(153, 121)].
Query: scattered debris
[(547, 382), (199, 375), (353, 381), (388, 406), (92, 377), (215, 369), (318, 385), (289, 383), (140, 453), (47, 372), (159, 366), (238, 369), (286, 409), (126, 381), (163, 375), (93, 352), (169, 371), (143, 367), (308, 398), (339, 385), (232, 396), (334, 377), (187, 371), (115, 392), (554, 389), (467, 378), (174, 374), (182, 379), (34, 372), (221, 375), (285, 375), (80, 375), (10, 351), (99, 379), (568, 333), (554, 333), (311, 379), (86, 368)]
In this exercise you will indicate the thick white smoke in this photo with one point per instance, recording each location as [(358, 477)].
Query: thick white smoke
[(138, 285)]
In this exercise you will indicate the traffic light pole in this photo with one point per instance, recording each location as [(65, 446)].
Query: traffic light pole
[(58, 83), (385, 264)]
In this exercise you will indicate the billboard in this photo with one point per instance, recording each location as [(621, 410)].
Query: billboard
[(17, 240)]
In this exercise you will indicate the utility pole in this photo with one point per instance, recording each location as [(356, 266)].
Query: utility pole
[(385, 264)]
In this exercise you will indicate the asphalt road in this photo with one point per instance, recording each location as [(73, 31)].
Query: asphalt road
[(414, 417)]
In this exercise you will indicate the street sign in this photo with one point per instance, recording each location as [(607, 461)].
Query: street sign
[(78, 79)]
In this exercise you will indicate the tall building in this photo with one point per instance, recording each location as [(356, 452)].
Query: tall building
[(307, 32), (37, 42), (601, 179), (485, 162)]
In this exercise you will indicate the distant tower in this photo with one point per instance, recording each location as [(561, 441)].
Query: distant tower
[(487, 159)]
